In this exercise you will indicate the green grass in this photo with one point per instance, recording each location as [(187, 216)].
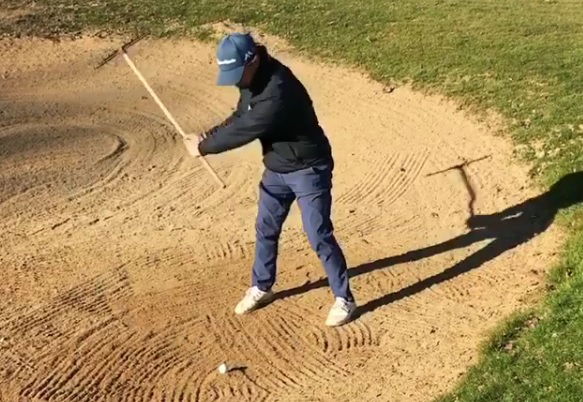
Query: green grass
[(520, 58)]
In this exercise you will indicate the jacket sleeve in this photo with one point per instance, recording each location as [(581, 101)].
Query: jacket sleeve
[(227, 121), (258, 122)]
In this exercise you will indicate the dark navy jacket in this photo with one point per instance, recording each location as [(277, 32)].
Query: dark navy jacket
[(278, 111)]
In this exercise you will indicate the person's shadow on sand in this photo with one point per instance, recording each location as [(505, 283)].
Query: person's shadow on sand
[(507, 229)]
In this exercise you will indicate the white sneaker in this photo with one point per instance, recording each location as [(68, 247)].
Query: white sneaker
[(254, 298), (341, 312)]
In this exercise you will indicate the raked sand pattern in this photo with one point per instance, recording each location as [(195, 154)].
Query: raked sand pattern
[(121, 259)]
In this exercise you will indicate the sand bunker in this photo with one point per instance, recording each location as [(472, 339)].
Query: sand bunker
[(122, 260)]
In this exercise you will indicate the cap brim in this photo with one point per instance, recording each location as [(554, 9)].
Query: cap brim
[(230, 77)]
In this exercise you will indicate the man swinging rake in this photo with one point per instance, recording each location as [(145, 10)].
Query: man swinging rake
[(275, 108)]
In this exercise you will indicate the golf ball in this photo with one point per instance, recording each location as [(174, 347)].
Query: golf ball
[(223, 368)]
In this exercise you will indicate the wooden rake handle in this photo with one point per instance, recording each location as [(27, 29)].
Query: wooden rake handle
[(168, 115)]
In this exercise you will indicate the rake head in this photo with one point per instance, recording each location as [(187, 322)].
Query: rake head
[(124, 49)]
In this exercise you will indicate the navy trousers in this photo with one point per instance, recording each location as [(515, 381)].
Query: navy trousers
[(312, 189)]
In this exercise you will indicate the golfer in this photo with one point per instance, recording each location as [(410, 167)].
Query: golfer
[(275, 108)]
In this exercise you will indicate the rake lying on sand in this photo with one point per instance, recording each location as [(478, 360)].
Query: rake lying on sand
[(123, 52)]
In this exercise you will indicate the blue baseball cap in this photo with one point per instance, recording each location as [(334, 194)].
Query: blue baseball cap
[(233, 53)]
